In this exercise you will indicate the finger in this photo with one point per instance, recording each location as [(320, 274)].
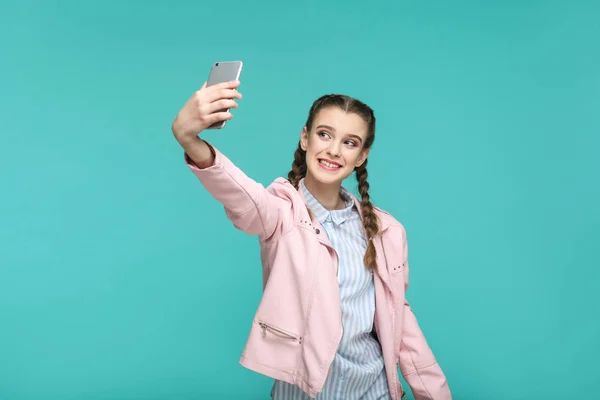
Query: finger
[(204, 85), (217, 117), (225, 85), (221, 105), (223, 94)]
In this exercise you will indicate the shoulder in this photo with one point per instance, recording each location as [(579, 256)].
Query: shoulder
[(386, 216), (388, 220), (282, 188)]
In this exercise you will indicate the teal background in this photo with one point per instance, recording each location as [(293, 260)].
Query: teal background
[(121, 278)]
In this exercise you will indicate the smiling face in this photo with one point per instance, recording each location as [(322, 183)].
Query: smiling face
[(334, 146)]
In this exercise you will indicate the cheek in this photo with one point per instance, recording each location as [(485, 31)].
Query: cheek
[(314, 147), (353, 157)]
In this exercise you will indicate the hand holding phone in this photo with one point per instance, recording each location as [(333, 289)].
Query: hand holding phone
[(223, 72), (208, 108)]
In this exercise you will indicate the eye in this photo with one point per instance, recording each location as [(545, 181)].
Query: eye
[(323, 134), (351, 143)]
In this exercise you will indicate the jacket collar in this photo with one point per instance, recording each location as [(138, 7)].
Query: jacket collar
[(384, 222), (337, 217), (383, 217)]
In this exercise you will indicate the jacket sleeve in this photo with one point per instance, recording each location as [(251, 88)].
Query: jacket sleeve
[(417, 361), (250, 206)]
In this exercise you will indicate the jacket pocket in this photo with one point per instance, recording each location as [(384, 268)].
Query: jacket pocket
[(268, 329)]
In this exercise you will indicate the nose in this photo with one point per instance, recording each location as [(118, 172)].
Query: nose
[(334, 150)]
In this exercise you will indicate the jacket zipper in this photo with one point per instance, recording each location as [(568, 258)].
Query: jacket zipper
[(278, 332)]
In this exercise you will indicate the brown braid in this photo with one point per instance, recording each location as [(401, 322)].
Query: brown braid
[(369, 217), (299, 171), (349, 105), (298, 167)]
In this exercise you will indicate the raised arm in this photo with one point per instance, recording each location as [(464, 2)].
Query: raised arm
[(254, 209)]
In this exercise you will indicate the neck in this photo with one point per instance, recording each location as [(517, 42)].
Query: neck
[(326, 194)]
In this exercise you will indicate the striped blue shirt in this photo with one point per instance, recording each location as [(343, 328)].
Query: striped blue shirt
[(357, 372)]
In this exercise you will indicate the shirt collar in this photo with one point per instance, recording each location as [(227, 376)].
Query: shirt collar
[(322, 214)]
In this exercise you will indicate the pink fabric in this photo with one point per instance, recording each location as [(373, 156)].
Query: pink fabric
[(297, 326)]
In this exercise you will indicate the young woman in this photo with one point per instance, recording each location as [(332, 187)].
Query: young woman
[(333, 321)]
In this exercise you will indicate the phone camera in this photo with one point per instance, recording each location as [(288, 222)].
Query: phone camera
[(217, 64)]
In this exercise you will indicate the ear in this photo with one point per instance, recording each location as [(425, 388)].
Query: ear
[(304, 139), (363, 156)]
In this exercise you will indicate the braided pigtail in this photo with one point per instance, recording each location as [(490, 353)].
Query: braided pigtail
[(299, 171), (370, 222), (298, 167)]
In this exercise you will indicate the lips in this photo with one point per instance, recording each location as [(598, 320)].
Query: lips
[(328, 164)]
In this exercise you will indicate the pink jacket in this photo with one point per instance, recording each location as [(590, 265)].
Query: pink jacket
[(297, 327)]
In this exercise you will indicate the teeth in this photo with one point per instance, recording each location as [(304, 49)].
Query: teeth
[(328, 164)]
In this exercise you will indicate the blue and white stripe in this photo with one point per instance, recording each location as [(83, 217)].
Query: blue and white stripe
[(357, 371)]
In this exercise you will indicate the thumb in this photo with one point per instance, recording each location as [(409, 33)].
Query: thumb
[(203, 85)]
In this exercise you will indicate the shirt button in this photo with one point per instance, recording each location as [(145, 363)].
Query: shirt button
[(317, 231)]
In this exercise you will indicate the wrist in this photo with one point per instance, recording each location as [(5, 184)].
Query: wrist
[(189, 143), (199, 152)]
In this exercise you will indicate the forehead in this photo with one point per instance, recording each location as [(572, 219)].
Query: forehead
[(342, 122)]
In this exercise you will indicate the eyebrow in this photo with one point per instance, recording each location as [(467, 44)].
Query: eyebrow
[(331, 128)]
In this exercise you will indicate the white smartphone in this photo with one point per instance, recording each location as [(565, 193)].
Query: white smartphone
[(223, 71)]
